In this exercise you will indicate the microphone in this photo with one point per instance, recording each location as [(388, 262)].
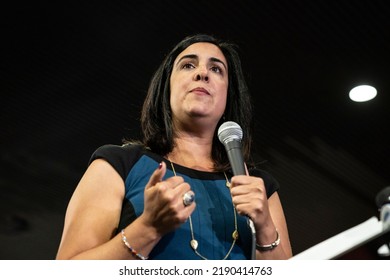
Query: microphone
[(382, 200), (230, 135)]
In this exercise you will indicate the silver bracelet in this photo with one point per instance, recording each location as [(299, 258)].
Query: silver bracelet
[(269, 246)]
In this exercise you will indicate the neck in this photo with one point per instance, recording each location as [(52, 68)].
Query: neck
[(192, 152), (200, 129)]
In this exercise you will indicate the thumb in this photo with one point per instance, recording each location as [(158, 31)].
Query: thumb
[(157, 175)]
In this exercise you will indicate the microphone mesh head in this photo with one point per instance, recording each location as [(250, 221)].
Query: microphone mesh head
[(229, 131)]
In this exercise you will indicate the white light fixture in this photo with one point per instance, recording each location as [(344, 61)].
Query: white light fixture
[(362, 93)]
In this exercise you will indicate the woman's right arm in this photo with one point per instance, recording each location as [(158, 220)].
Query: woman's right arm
[(94, 211)]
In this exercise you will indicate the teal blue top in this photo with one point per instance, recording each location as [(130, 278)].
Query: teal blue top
[(213, 218)]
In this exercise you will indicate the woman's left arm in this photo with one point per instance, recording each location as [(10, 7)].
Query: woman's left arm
[(250, 198), (274, 239)]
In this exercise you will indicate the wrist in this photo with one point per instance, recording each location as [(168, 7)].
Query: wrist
[(149, 232), (270, 246)]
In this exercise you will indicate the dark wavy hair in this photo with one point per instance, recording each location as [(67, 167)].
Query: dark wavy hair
[(156, 116)]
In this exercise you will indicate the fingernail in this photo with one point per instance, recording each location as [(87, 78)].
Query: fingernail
[(160, 165)]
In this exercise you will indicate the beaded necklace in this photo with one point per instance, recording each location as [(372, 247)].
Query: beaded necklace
[(194, 242)]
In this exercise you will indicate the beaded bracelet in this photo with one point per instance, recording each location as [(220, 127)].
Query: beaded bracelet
[(269, 246), (132, 250)]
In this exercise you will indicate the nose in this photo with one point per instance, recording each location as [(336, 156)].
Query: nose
[(201, 74)]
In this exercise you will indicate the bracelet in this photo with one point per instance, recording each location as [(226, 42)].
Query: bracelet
[(269, 246), (132, 250)]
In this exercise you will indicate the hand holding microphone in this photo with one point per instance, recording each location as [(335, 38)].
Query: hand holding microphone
[(246, 192)]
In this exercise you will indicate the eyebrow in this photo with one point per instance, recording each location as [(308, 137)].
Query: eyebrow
[(194, 56)]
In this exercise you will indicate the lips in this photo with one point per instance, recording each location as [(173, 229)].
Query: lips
[(200, 90)]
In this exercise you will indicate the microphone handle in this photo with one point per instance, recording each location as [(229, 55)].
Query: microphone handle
[(233, 149)]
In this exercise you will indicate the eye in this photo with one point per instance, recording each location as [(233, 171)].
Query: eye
[(216, 69), (187, 66)]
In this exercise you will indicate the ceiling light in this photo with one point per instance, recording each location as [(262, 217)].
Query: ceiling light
[(362, 93)]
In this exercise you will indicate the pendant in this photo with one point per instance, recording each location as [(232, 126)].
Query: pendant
[(194, 244), (235, 235), (228, 184)]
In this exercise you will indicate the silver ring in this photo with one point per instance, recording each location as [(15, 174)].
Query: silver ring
[(188, 198)]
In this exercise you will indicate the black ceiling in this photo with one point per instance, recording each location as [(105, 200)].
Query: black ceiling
[(74, 77)]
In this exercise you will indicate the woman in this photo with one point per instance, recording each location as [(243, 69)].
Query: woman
[(136, 201)]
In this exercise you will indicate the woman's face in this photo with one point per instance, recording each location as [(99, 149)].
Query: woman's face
[(199, 84)]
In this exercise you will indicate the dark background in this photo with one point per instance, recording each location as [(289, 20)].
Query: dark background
[(74, 75)]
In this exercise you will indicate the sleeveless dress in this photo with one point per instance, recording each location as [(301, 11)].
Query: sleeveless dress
[(213, 218)]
